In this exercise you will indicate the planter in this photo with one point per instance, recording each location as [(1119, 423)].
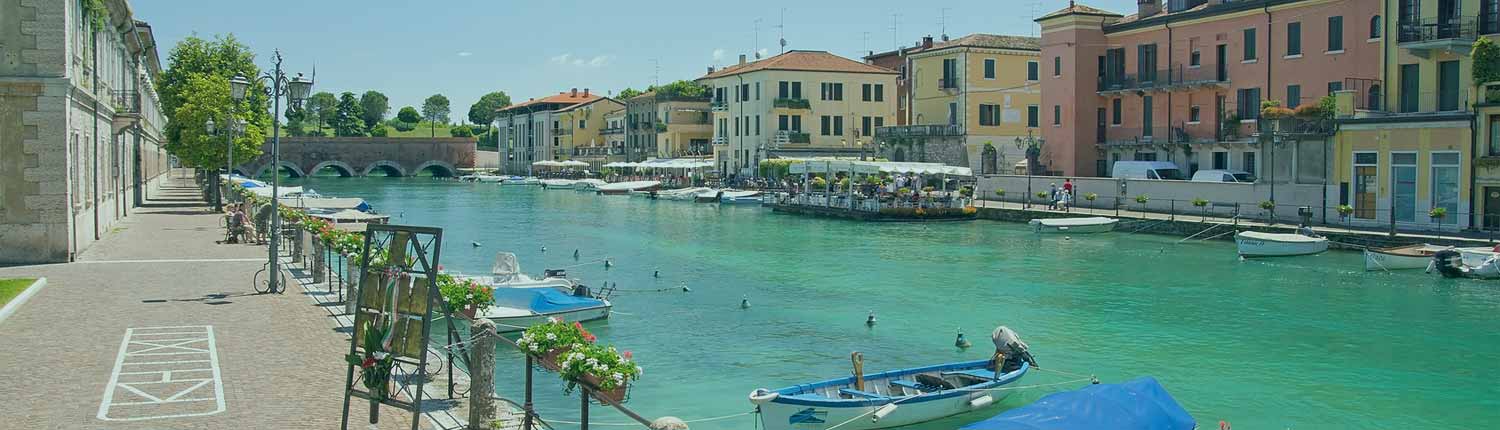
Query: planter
[(374, 411), (548, 360), (468, 312), (617, 395)]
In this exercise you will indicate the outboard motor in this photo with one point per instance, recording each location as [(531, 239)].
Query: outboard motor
[(1009, 343), (581, 290), (555, 273), (1449, 263)]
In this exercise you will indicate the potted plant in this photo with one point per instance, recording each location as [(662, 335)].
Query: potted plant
[(1437, 214), (1000, 192), (1142, 199), (603, 368), (1270, 207), (1202, 205), (550, 340), (1345, 211), (375, 364), (465, 296)]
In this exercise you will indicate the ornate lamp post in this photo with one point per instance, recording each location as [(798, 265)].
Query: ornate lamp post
[(296, 90), (235, 126), (1033, 147)]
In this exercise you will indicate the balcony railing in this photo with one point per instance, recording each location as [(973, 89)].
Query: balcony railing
[(1438, 29), (919, 131), (1367, 93), (1180, 77), (613, 130), (718, 106), (126, 102), (791, 103), (1137, 136), (793, 137), (720, 140), (948, 83), (1295, 126)]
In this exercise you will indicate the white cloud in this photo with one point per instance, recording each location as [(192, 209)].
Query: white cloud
[(568, 59), (719, 54), (562, 59), (465, 53), (599, 61)]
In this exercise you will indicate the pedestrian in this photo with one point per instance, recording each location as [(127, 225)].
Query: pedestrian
[(1052, 196), (1063, 199)]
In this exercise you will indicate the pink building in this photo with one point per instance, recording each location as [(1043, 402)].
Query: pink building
[(1183, 82)]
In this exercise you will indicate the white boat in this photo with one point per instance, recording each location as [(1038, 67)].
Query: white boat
[(558, 184), (515, 309), (1401, 257), (1074, 225), (589, 184), (708, 195), (517, 180), (1475, 256), (481, 178), (682, 193), (1258, 244), (888, 399), (617, 188), (740, 197), (1455, 263)]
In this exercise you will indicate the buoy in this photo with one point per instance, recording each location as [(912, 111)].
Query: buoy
[(656, 274), (575, 254), (476, 244), (870, 322), (1223, 425), (1067, 237), (608, 264), (544, 248), (685, 288), (745, 302), (961, 342)]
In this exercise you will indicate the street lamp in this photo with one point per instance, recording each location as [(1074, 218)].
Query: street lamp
[(295, 90), (1033, 147)]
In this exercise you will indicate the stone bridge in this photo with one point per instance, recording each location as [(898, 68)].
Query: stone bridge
[(364, 156)]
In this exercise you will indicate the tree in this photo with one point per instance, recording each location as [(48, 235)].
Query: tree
[(1486, 55), (408, 115), (203, 97), (348, 121), (435, 110), (628, 93), (294, 116), (323, 106), (375, 105), (461, 131), (193, 66), (682, 89), (483, 111), (380, 130)]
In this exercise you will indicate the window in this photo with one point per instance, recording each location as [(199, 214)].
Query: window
[(1145, 65), (1248, 162), (864, 92), (989, 115), (1335, 86), (745, 92), (1146, 116), (1335, 34), (1031, 71), (864, 126), (757, 90), (827, 125), (797, 123), (953, 113), (1293, 96), (1250, 44), (1410, 84), (757, 125), (1293, 39), (1445, 173), (1494, 135), (1248, 103), (1145, 156), (1056, 66), (832, 91), (1116, 107), (1056, 115), (1489, 16), (838, 125), (1404, 186), (1221, 160), (1196, 59), (1448, 76), (1195, 114), (950, 73), (736, 94), (1034, 116), (1375, 28), (879, 92), (879, 121), (783, 90), (737, 122), (989, 68), (796, 90), (782, 123)]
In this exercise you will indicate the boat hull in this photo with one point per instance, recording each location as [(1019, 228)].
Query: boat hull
[(810, 407), (787, 416), (511, 324), (1419, 257), (1254, 247), (1042, 226)]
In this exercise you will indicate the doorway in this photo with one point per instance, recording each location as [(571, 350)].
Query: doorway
[(1221, 54), (1491, 208)]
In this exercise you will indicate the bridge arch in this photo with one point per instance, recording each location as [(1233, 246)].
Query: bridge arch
[(390, 168), (441, 169), (296, 171), (239, 171), (344, 169)]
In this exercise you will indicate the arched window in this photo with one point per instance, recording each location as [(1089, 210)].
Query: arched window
[(1375, 27)]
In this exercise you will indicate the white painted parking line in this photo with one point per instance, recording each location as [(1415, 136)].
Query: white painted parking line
[(180, 386)]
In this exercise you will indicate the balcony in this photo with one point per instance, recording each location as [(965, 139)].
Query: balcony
[(1181, 78), (127, 106), (918, 131), (720, 141), (785, 137), (790, 103), (562, 131), (1425, 37), (1294, 127), (718, 106), (613, 130)]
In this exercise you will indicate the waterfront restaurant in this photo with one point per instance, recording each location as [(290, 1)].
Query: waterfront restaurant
[(864, 190)]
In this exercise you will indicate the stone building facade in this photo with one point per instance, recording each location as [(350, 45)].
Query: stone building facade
[(80, 126)]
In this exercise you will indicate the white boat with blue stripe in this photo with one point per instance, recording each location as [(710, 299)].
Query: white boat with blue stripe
[(889, 399)]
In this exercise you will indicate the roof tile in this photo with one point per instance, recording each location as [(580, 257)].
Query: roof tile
[(811, 61)]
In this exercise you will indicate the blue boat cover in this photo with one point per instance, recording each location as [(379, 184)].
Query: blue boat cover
[(542, 300), (1141, 404)]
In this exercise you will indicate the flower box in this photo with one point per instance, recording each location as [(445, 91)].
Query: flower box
[(617, 395)]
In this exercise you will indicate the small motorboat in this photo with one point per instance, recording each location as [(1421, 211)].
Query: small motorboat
[(589, 184), (1260, 244), (730, 197), (515, 309), (1074, 225), (710, 195), (621, 188), (1452, 263), (479, 177), (1401, 257), (558, 184), (690, 193), (895, 398), (517, 180), (1141, 404)]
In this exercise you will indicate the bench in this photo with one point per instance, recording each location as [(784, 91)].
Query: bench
[(915, 386), (856, 393), (980, 375)]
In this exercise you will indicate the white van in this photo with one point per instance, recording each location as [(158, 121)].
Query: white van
[(1222, 176), (1146, 170)]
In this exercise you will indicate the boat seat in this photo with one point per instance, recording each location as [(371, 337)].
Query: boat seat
[(857, 393), (915, 386), (933, 381), (975, 375)]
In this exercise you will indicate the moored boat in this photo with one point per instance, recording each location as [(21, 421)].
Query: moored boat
[(518, 308), (588, 184), (1455, 263), (558, 184), (740, 197), (1401, 257), (682, 193), (479, 177), (517, 180), (619, 188), (1260, 244), (1074, 225)]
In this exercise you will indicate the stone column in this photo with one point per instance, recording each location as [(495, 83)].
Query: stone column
[(482, 374)]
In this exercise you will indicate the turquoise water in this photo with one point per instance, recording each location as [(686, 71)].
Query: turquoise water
[(1308, 342)]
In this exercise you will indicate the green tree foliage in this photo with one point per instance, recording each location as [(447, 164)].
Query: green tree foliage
[(408, 115), (294, 120), (1486, 56), (209, 62), (483, 111), (461, 131), (435, 110), (323, 106), (628, 93), (682, 89), (204, 97), (348, 120), (375, 106), (380, 130), (404, 126)]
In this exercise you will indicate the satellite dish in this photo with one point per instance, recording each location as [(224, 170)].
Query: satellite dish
[(783, 43)]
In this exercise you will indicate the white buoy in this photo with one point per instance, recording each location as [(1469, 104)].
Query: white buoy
[(544, 248), (883, 411), (608, 264), (476, 244), (870, 322), (744, 302), (685, 288)]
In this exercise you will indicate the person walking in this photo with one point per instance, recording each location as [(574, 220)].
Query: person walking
[(1052, 196)]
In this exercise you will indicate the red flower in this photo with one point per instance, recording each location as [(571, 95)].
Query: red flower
[(440, 267), (368, 363), (627, 355), (578, 326)]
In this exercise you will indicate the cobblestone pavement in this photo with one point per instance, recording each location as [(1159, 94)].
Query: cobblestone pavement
[(272, 361)]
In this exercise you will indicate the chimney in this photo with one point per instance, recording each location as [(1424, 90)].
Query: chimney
[(742, 58), (585, 92), (927, 40), (574, 93), (1147, 8), (710, 70)]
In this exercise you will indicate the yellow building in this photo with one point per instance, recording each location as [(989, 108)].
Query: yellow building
[(966, 93), (582, 126), (679, 125), (796, 104), (1408, 144)]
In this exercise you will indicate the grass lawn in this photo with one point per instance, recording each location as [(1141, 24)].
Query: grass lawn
[(10, 288)]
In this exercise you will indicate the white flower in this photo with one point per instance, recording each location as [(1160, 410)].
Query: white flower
[(617, 375), (551, 336), (639, 371), (534, 348)]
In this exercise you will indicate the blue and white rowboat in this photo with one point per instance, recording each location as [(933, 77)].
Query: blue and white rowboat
[(890, 399)]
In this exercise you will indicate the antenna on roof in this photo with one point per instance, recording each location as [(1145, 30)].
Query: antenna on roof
[(894, 39), (655, 72), (757, 38), (864, 40), (943, 22), (781, 31)]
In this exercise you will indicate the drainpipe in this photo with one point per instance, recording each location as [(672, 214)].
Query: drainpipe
[(1270, 57), (1473, 149), (1186, 150), (94, 191)]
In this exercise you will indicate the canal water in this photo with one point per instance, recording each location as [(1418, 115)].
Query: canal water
[(1305, 342)]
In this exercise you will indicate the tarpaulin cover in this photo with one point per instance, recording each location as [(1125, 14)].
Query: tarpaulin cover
[(1141, 404), (542, 300)]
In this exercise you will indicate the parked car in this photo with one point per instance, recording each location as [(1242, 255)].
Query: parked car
[(1223, 176), (1146, 170)]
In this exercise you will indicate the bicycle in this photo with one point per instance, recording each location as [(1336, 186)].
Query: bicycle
[(263, 282)]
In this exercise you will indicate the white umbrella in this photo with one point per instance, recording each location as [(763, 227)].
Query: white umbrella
[(573, 163)]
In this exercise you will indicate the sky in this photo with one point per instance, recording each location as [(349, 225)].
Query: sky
[(464, 49)]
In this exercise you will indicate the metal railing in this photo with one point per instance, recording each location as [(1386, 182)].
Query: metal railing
[(792, 103), (1179, 77), (718, 106), (919, 130), (126, 101), (1435, 29), (1133, 136), (1295, 126), (793, 137), (613, 130), (948, 83)]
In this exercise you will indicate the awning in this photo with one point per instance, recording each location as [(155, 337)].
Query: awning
[(547, 163), (351, 215), (815, 165), (573, 163)]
